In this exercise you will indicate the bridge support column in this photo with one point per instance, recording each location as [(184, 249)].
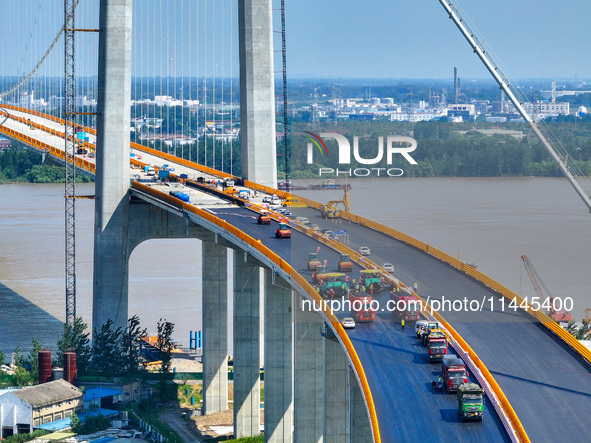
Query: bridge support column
[(247, 383), (257, 92), (360, 425), (336, 382), (309, 375), (215, 327), (110, 285), (278, 360)]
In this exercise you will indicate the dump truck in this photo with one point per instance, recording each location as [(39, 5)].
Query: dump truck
[(423, 333), (361, 309), (405, 306), (345, 264), (470, 401), (283, 231), (313, 261), (332, 281), (454, 373), (436, 343)]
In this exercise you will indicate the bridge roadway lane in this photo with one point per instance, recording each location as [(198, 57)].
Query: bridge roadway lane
[(547, 384), (396, 364)]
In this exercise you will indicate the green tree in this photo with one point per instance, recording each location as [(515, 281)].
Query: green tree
[(75, 423), (165, 345), (75, 339), (131, 340), (107, 354), (22, 377), (18, 358), (2, 357), (33, 359)]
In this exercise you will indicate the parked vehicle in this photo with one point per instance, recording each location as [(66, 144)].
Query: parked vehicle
[(470, 401), (348, 322), (454, 373)]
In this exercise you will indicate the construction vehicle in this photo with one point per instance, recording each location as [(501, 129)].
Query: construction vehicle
[(361, 306), (454, 373), (405, 306), (330, 210), (263, 218), (345, 264), (283, 231), (332, 283), (372, 279), (436, 342), (470, 401), (543, 294), (423, 327), (313, 261)]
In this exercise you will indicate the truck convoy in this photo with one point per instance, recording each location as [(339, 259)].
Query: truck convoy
[(345, 264), (361, 309), (405, 306), (454, 373), (470, 401)]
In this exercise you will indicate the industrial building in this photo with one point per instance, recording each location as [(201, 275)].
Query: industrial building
[(23, 409)]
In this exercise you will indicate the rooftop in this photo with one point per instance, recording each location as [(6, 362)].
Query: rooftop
[(48, 393)]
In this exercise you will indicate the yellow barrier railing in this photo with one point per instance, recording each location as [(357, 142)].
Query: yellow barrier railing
[(295, 276), (479, 276), (515, 426)]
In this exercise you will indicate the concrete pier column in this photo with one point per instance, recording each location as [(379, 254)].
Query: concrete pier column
[(336, 378), (111, 253), (309, 375), (360, 425), (247, 383), (215, 327), (257, 92), (278, 361)]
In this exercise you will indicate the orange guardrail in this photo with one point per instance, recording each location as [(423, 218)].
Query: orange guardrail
[(572, 342), (515, 426), (296, 277)]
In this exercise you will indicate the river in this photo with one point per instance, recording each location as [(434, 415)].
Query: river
[(488, 221)]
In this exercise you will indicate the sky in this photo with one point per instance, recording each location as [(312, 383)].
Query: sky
[(390, 39), (416, 39)]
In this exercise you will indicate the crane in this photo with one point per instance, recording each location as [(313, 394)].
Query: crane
[(577, 179), (544, 294), (330, 209)]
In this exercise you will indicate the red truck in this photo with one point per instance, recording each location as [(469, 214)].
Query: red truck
[(361, 309), (454, 373), (436, 342), (404, 306)]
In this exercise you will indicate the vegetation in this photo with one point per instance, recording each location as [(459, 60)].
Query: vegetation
[(131, 340), (579, 332), (259, 439), (21, 438), (90, 425), (2, 357), (107, 354), (165, 345), (26, 165), (75, 338), (146, 412)]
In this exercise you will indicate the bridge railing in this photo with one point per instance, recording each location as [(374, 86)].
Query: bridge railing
[(292, 274)]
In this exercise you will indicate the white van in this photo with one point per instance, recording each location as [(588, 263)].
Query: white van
[(275, 200)]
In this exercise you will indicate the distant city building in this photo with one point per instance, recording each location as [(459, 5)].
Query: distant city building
[(464, 110), (548, 109), (419, 115)]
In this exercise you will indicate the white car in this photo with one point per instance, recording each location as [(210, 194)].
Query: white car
[(388, 267), (348, 322), (364, 250)]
